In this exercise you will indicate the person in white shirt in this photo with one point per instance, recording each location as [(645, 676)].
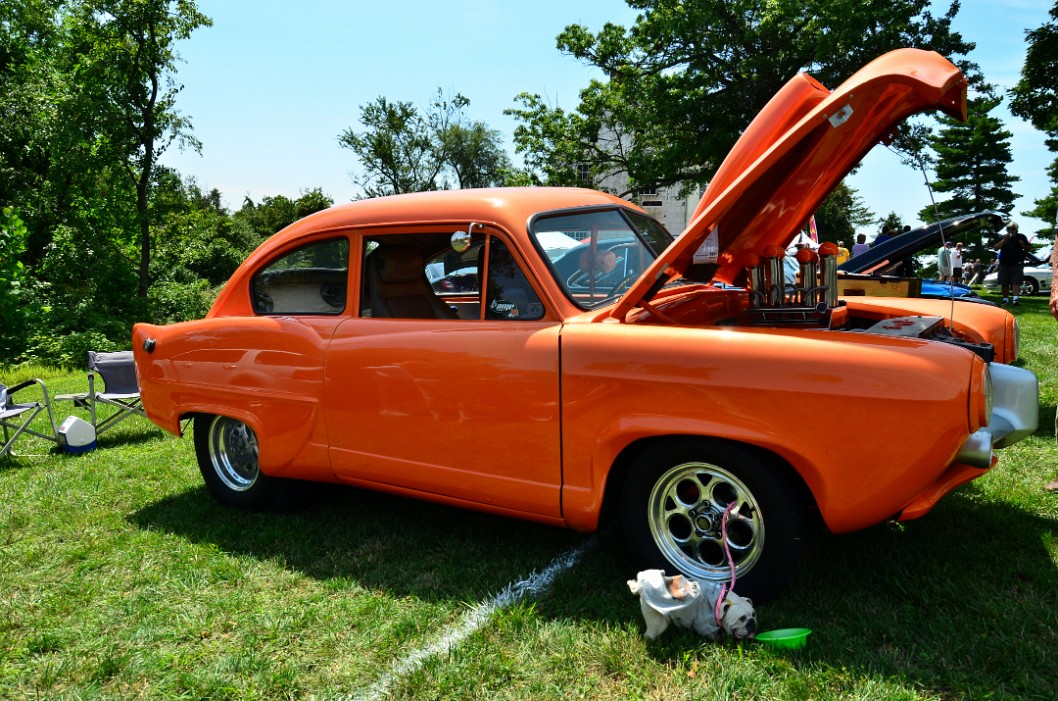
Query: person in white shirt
[(956, 263)]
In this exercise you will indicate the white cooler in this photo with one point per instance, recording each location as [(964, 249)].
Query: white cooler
[(77, 435)]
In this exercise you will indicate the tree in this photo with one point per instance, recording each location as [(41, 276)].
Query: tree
[(403, 150), (13, 282), (972, 160), (126, 61), (1035, 98), (685, 80), (475, 155), (33, 90), (274, 213), (840, 214)]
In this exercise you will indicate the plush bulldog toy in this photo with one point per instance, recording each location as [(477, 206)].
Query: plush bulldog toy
[(688, 603)]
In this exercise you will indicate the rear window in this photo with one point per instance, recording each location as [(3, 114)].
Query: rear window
[(310, 280)]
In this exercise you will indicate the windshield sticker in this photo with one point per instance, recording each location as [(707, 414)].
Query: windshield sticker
[(709, 250)]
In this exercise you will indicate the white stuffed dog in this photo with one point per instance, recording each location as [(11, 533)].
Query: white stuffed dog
[(688, 603)]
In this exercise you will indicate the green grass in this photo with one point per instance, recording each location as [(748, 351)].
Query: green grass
[(121, 579)]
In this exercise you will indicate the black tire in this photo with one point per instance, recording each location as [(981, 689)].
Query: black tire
[(1029, 286), (673, 504), (226, 449)]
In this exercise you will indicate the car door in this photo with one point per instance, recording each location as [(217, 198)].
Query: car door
[(457, 408)]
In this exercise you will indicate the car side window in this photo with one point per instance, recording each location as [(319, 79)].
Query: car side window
[(508, 294), (310, 280), (422, 276)]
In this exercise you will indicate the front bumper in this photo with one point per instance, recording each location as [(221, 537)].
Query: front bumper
[(1015, 415)]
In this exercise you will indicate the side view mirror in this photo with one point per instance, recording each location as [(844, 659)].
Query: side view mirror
[(460, 241)]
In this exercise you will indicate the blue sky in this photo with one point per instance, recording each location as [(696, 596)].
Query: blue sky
[(271, 85)]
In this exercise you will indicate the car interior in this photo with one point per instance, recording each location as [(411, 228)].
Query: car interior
[(422, 276)]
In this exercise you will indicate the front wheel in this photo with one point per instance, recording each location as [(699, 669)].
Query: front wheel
[(1029, 286), (226, 449), (673, 511)]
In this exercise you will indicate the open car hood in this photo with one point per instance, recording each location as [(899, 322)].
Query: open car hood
[(884, 254), (802, 144)]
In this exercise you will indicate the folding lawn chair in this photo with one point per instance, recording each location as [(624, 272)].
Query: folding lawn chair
[(121, 391), (15, 417)]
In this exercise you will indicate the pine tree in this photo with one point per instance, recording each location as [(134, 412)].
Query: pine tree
[(1035, 98), (972, 161)]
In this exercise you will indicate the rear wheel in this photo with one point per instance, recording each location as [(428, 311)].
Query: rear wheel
[(673, 510), (227, 457)]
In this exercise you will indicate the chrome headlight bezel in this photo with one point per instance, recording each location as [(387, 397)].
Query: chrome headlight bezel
[(989, 396), (1017, 340)]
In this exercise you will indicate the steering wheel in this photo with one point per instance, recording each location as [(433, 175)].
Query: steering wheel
[(626, 280)]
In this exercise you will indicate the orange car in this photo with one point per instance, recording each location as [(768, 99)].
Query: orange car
[(607, 376)]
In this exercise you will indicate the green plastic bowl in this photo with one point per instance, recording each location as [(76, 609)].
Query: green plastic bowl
[(793, 638)]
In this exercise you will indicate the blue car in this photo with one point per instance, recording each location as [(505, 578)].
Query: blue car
[(895, 256)]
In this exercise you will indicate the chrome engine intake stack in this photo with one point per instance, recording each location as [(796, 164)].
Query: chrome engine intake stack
[(810, 300)]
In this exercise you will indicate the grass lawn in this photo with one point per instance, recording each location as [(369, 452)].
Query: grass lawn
[(120, 578)]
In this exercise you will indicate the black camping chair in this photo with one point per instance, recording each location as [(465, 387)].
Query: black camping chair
[(15, 417), (121, 390)]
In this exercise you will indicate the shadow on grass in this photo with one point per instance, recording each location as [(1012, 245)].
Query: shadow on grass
[(389, 543), (1046, 424), (962, 603), (121, 437)]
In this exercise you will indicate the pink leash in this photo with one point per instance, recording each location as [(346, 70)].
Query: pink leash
[(726, 588)]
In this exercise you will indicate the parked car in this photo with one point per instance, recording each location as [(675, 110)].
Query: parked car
[(1036, 277), (709, 420), (896, 256)]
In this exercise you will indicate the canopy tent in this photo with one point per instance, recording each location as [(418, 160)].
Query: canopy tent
[(802, 240)]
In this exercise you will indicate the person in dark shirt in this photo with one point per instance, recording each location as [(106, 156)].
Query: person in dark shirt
[(1013, 249)]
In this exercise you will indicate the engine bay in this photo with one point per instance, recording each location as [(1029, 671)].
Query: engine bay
[(810, 301)]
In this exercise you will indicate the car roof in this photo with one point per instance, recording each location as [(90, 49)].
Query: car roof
[(510, 207)]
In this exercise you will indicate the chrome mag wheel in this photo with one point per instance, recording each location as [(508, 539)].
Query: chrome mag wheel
[(232, 448), (686, 512)]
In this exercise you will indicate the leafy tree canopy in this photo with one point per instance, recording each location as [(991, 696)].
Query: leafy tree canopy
[(276, 212), (841, 214), (404, 150), (1035, 98), (688, 76)]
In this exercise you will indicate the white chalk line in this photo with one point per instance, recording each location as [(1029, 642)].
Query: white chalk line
[(532, 586)]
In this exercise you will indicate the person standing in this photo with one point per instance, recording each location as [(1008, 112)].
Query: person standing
[(956, 263), (1013, 249), (860, 246), (843, 253), (887, 233), (944, 262), (1053, 486)]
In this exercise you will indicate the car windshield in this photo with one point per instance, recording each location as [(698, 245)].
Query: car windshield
[(614, 247)]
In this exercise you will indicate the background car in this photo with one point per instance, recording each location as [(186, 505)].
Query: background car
[(1037, 276), (896, 255)]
